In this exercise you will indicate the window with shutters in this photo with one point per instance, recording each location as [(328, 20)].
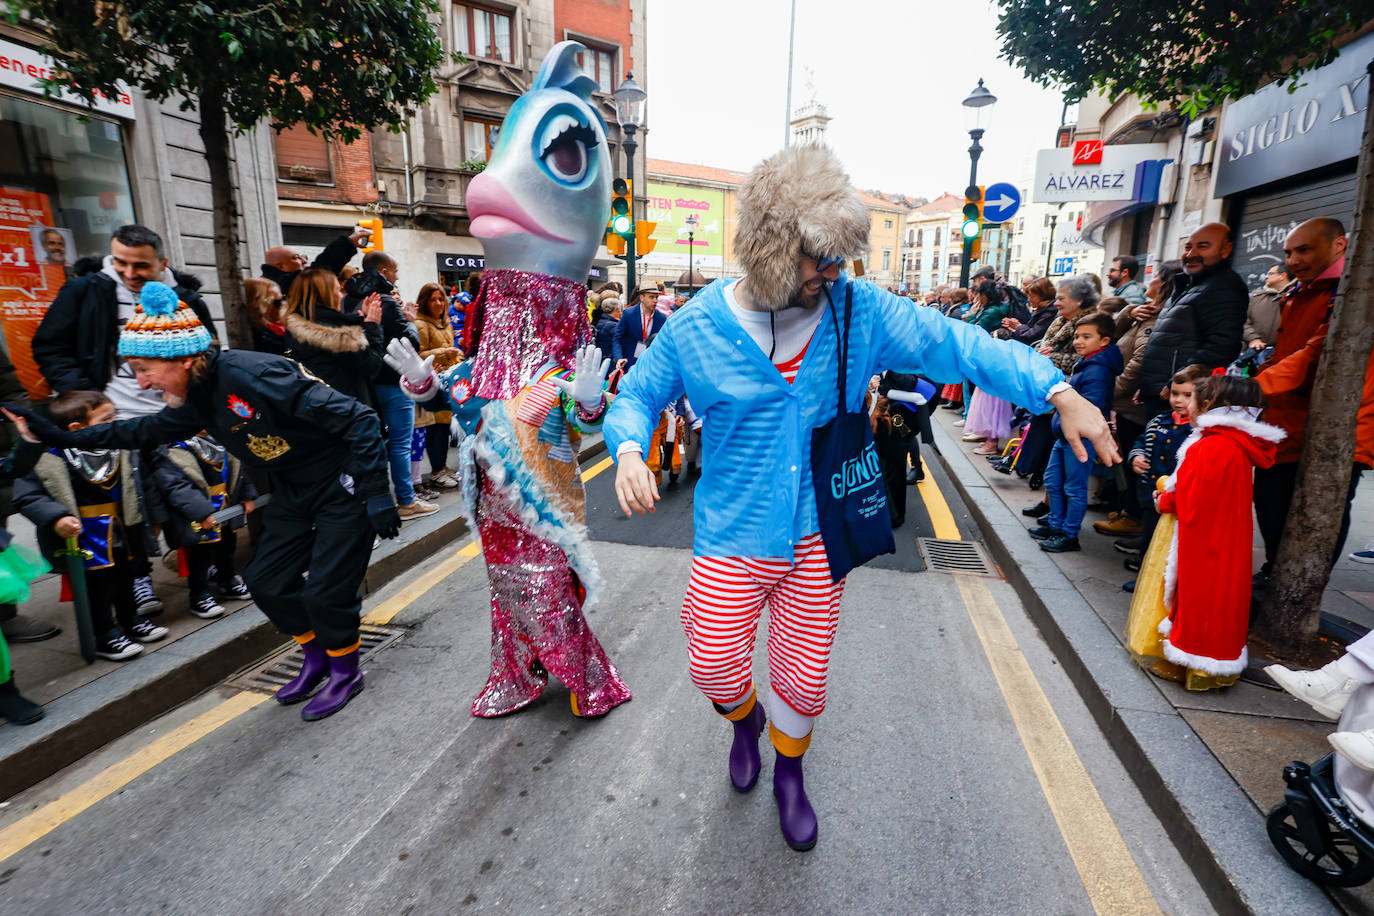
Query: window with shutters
[(304, 157), (480, 31)]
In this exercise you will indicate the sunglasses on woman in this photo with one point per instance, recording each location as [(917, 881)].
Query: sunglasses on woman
[(823, 264)]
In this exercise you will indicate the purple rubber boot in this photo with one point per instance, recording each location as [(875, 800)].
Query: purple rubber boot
[(745, 762), (795, 814), (345, 682), (313, 671)]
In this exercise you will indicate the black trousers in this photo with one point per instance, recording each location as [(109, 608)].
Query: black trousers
[(111, 593), (893, 460), (436, 445), (1274, 496), (317, 527), (201, 557)]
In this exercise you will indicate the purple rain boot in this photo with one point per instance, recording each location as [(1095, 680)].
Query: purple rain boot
[(345, 682), (795, 814), (313, 672), (745, 762)]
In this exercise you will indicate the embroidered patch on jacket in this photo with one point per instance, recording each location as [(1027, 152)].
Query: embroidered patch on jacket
[(241, 408), (268, 447), (460, 392)]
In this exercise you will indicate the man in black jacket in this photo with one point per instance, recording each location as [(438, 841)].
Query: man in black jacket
[(1203, 321), (396, 410), (75, 347), (282, 265), (323, 453)]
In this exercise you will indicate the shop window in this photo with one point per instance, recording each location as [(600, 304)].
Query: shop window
[(479, 136), (303, 156), (599, 64), (482, 32)]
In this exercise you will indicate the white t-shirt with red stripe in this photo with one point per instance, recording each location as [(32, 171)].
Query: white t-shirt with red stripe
[(786, 334)]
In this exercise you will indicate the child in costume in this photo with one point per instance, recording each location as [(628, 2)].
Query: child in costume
[(197, 478), (532, 386), (18, 567), (94, 495), (1066, 478), (1207, 580)]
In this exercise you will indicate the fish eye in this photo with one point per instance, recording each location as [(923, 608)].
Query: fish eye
[(565, 148)]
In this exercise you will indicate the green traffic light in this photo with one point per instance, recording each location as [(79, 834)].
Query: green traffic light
[(970, 229), (621, 224)]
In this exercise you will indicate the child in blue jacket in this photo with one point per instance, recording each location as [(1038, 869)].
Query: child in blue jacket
[(1066, 478)]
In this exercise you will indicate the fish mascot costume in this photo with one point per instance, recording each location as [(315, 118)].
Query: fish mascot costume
[(532, 385)]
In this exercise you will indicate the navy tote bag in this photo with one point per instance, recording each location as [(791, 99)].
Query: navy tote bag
[(851, 499)]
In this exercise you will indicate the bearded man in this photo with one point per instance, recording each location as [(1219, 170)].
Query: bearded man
[(758, 358)]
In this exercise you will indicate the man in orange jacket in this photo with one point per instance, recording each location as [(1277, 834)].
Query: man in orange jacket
[(1315, 251)]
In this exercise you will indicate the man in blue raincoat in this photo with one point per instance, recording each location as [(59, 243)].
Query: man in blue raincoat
[(758, 359)]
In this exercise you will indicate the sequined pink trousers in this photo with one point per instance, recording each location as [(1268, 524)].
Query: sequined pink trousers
[(537, 627)]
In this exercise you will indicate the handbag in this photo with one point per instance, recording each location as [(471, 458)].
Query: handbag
[(847, 476)]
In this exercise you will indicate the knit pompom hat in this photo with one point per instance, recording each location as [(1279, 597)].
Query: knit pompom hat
[(798, 201), (163, 327)]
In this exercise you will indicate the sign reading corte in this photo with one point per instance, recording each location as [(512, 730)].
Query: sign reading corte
[(21, 67), (1061, 178)]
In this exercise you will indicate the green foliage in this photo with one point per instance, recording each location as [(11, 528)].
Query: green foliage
[(1192, 53), (340, 67), (473, 165)]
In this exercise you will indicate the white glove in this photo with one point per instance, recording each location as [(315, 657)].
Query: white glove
[(403, 359), (588, 382)]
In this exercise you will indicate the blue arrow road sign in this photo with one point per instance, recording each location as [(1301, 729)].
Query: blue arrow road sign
[(1000, 202)]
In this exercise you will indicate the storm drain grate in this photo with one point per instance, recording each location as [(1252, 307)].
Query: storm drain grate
[(955, 557), (276, 670)]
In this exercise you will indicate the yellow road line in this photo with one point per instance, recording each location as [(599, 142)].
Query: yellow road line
[(383, 613), (34, 826), (597, 468), (1109, 874), (940, 517)]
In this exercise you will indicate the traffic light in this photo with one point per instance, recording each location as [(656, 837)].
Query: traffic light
[(643, 243), (973, 213), (622, 213), (615, 243), (374, 241)]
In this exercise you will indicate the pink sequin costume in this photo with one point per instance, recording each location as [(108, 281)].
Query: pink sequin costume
[(523, 490)]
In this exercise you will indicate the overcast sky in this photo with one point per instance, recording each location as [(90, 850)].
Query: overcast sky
[(891, 72)]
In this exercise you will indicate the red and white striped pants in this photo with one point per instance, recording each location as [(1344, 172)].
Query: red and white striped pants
[(725, 596)]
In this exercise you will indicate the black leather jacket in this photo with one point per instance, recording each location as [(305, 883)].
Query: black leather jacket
[(1201, 324)]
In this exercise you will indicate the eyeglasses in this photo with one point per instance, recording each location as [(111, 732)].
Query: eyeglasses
[(825, 263)]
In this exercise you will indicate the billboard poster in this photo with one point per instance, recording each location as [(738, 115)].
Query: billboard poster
[(669, 206), (33, 258)]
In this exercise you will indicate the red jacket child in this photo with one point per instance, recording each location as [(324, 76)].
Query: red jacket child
[(1207, 579)]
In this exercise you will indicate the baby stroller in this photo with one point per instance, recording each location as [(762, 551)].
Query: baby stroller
[(1324, 828)]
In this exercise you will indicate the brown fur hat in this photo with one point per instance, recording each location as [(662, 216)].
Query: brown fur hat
[(798, 200)]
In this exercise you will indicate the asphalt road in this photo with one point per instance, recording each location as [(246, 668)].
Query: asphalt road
[(937, 791)]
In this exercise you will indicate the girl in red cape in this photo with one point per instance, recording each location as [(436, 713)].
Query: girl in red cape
[(1207, 578)]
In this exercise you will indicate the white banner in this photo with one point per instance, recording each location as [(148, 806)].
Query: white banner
[(21, 67), (1059, 180)]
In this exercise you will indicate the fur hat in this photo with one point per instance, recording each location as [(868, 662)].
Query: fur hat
[(163, 327), (798, 200)]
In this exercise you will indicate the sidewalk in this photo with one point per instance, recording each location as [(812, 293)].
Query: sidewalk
[(88, 706), (1209, 762)]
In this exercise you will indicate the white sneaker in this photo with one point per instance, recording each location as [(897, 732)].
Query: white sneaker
[(959, 423), (416, 509), (1357, 747), (974, 437), (206, 607), (1325, 693), (1365, 555)]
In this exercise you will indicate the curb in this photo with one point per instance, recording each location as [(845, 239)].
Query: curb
[(1209, 818), (114, 705)]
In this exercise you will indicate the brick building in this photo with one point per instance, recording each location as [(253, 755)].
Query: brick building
[(417, 179)]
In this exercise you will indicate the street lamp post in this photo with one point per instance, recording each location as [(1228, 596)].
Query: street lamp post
[(629, 113), (978, 100), (1049, 254), (691, 222)]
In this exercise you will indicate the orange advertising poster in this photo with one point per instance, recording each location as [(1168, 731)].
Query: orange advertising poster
[(28, 282)]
